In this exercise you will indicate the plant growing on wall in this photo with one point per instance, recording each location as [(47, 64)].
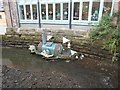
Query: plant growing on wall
[(107, 35)]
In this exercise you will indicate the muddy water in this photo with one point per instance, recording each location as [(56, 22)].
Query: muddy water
[(83, 71)]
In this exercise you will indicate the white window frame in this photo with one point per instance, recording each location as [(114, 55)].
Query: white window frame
[(100, 10), (76, 21), (53, 13), (37, 11), (24, 6), (89, 10), (60, 11), (54, 21)]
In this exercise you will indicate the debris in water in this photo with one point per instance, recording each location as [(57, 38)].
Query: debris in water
[(76, 57), (82, 56)]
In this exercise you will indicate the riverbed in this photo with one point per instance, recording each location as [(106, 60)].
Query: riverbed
[(86, 73)]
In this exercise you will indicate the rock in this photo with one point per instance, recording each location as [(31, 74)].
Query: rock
[(106, 70), (35, 79), (67, 61), (102, 69), (49, 78), (23, 79), (7, 70), (29, 87), (15, 81)]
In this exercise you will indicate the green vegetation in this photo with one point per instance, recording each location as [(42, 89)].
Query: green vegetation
[(107, 35)]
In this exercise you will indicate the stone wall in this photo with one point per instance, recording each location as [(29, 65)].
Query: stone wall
[(3, 19), (116, 8), (11, 13), (27, 36)]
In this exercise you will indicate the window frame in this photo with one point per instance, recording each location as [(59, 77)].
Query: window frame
[(24, 6), (61, 21), (76, 21)]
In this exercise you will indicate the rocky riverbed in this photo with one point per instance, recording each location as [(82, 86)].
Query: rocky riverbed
[(15, 78)]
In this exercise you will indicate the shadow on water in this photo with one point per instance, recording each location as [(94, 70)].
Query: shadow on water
[(22, 59)]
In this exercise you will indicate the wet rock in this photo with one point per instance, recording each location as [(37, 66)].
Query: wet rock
[(23, 79), (15, 81), (49, 78), (30, 76), (7, 70), (35, 79)]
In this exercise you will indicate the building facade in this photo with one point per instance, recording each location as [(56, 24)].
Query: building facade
[(71, 14), (2, 16)]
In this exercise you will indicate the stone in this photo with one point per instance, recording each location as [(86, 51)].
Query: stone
[(15, 81), (23, 79), (102, 69)]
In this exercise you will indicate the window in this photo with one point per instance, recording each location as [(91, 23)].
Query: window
[(65, 11), (43, 11), (34, 9), (22, 16), (107, 7), (95, 10), (28, 14), (57, 12), (76, 11), (50, 11), (85, 10)]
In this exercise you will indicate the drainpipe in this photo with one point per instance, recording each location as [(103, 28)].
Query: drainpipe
[(70, 26), (10, 13), (39, 14)]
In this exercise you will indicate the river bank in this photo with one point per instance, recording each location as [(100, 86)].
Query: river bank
[(86, 73)]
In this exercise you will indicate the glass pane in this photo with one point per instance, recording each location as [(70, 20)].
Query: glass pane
[(43, 11), (50, 11), (85, 10), (28, 14), (95, 11), (22, 16), (76, 11), (57, 12), (34, 9), (107, 7), (65, 11)]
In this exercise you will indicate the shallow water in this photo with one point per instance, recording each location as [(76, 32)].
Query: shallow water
[(22, 59)]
